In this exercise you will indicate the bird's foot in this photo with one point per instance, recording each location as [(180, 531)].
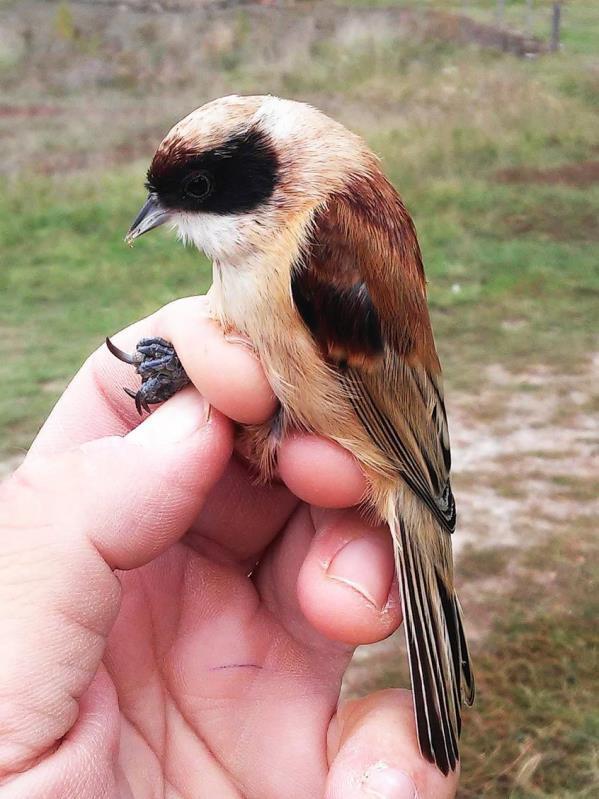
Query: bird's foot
[(159, 367)]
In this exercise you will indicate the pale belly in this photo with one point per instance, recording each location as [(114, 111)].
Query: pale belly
[(311, 395)]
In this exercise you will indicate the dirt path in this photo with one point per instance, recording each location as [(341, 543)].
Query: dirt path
[(525, 469)]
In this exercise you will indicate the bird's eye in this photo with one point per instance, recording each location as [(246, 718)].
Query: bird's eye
[(197, 185)]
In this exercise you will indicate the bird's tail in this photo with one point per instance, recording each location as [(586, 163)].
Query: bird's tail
[(438, 655)]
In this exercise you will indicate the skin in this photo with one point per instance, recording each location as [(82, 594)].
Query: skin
[(142, 660)]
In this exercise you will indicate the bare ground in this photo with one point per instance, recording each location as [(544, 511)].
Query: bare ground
[(580, 175)]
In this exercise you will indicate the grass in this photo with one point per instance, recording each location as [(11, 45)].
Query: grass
[(535, 728), (69, 280), (577, 26), (510, 264), (533, 731), (505, 267)]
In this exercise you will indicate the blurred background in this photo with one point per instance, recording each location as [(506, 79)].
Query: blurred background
[(486, 116)]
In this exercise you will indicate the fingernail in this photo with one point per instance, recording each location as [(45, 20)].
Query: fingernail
[(384, 782), (365, 565), (175, 421)]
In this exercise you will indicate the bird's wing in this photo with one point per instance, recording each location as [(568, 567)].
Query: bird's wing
[(359, 288)]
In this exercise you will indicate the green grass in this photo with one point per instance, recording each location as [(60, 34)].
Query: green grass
[(494, 255), (68, 280), (535, 729), (512, 267), (578, 21)]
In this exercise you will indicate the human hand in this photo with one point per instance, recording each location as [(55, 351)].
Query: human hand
[(168, 627)]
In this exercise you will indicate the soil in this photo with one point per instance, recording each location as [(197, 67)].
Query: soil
[(580, 175)]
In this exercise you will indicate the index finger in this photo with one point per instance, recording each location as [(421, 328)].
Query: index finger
[(94, 404)]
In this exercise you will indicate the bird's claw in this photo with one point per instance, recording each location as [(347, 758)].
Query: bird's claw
[(159, 367), (140, 401), (121, 354)]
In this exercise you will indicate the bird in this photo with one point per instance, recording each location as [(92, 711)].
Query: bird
[(316, 262)]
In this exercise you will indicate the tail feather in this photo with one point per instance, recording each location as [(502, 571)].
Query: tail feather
[(437, 652), (468, 686)]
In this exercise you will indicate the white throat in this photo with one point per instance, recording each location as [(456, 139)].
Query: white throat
[(239, 292), (252, 260), (224, 238)]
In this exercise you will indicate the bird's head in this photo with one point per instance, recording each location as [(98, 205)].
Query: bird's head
[(238, 170)]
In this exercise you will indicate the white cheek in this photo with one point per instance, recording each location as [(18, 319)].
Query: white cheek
[(220, 237)]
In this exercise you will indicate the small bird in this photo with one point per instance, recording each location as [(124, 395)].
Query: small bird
[(317, 263)]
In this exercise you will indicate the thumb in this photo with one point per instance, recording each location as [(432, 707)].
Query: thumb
[(132, 496), (373, 751), (66, 522)]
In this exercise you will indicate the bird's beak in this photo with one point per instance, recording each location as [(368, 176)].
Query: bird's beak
[(151, 215)]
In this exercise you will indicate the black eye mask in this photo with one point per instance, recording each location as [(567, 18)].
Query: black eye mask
[(237, 177)]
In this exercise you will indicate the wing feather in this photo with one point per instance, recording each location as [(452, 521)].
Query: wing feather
[(433, 489)]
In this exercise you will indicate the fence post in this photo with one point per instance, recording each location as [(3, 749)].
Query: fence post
[(529, 16), (500, 11), (555, 26)]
